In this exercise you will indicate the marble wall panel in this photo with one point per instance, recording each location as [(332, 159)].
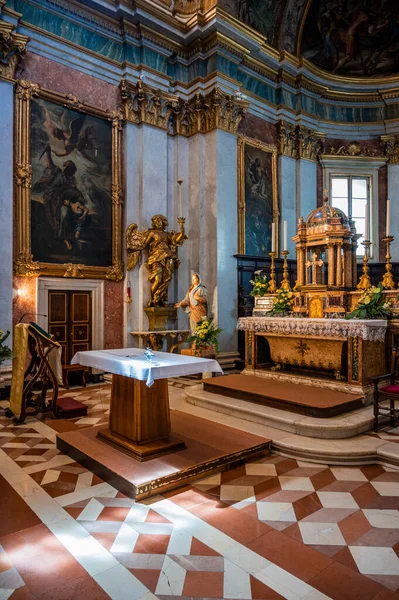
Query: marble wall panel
[(382, 211), (113, 314), (26, 301), (307, 187), (60, 78), (393, 187), (287, 196), (258, 129)]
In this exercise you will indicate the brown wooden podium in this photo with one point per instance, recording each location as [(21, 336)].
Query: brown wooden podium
[(139, 421)]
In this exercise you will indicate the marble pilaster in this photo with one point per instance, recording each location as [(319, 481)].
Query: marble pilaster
[(306, 187), (6, 201), (288, 193), (393, 187)]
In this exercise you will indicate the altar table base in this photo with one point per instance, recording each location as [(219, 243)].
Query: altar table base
[(210, 448)]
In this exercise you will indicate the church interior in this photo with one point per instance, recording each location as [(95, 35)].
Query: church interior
[(199, 299)]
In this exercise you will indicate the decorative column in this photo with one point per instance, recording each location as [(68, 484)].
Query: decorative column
[(339, 265), (348, 266), (300, 266), (331, 265)]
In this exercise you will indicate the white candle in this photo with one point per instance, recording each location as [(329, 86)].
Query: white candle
[(388, 228), (180, 181), (366, 227), (273, 236), (285, 235)]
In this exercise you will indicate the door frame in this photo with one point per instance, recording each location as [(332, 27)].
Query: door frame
[(95, 286)]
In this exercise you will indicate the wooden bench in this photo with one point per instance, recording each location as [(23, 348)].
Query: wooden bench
[(66, 369)]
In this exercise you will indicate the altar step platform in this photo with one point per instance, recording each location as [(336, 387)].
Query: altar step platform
[(286, 407), (210, 448)]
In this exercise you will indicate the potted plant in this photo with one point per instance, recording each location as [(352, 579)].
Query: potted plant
[(205, 338), (5, 351), (282, 303), (372, 305), (259, 284)]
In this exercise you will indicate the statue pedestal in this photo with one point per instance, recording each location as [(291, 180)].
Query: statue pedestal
[(155, 339), (158, 316)]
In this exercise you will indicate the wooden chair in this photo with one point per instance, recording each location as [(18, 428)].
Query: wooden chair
[(388, 392)]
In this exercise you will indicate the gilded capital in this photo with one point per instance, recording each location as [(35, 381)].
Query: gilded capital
[(177, 116), (12, 49), (390, 148), (298, 141)]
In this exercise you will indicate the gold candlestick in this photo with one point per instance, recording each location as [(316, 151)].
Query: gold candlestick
[(387, 280), (285, 284), (365, 283), (272, 284)]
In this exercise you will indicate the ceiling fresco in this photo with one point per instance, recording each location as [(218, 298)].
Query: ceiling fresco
[(262, 15), (352, 37)]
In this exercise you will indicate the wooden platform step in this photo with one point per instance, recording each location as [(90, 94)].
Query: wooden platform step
[(301, 399)]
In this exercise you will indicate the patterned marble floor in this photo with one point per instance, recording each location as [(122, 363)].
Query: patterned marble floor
[(272, 529)]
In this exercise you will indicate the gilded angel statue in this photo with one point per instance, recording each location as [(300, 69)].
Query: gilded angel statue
[(162, 258)]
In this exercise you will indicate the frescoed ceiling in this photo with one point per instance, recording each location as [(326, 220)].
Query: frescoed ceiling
[(353, 37)]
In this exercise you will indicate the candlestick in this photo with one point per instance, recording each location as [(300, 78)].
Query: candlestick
[(128, 295), (388, 223), (180, 181), (272, 283), (273, 237), (365, 283), (387, 280), (285, 237), (285, 284)]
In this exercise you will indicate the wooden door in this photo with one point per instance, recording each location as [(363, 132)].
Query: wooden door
[(70, 321)]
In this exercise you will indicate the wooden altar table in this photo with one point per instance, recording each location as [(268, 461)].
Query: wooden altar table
[(139, 420)]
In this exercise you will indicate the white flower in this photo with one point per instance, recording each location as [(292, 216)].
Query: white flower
[(258, 272)]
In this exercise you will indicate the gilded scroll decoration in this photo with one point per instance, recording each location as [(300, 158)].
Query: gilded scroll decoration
[(199, 114), (12, 49), (25, 266), (115, 273), (74, 271), (353, 149)]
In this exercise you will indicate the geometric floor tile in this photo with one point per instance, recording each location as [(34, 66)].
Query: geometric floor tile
[(321, 534), (375, 561), (385, 519), (275, 511), (337, 500)]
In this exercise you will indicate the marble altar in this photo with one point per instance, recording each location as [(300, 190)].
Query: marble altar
[(348, 352)]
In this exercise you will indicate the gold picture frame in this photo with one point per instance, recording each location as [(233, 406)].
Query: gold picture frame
[(257, 196), (78, 145)]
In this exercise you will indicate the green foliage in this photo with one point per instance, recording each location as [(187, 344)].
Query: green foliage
[(283, 302), (259, 283), (205, 333), (5, 351), (372, 305)]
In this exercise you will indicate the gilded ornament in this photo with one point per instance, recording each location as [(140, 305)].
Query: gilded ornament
[(25, 266), (162, 258), (73, 103), (25, 89), (117, 194), (74, 270), (115, 273), (23, 175), (298, 141), (353, 149)]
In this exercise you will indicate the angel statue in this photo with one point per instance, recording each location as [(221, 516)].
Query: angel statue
[(162, 254)]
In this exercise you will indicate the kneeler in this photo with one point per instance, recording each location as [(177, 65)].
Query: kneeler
[(29, 386)]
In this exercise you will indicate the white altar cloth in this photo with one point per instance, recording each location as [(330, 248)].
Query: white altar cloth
[(131, 362)]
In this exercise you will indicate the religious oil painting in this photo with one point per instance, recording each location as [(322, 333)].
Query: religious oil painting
[(257, 197), (71, 157), (352, 37), (73, 195)]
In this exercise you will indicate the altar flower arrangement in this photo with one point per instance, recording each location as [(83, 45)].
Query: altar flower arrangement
[(372, 305), (5, 351), (259, 283), (206, 334), (283, 302)]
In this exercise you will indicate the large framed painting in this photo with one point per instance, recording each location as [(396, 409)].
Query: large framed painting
[(68, 186), (257, 197)]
